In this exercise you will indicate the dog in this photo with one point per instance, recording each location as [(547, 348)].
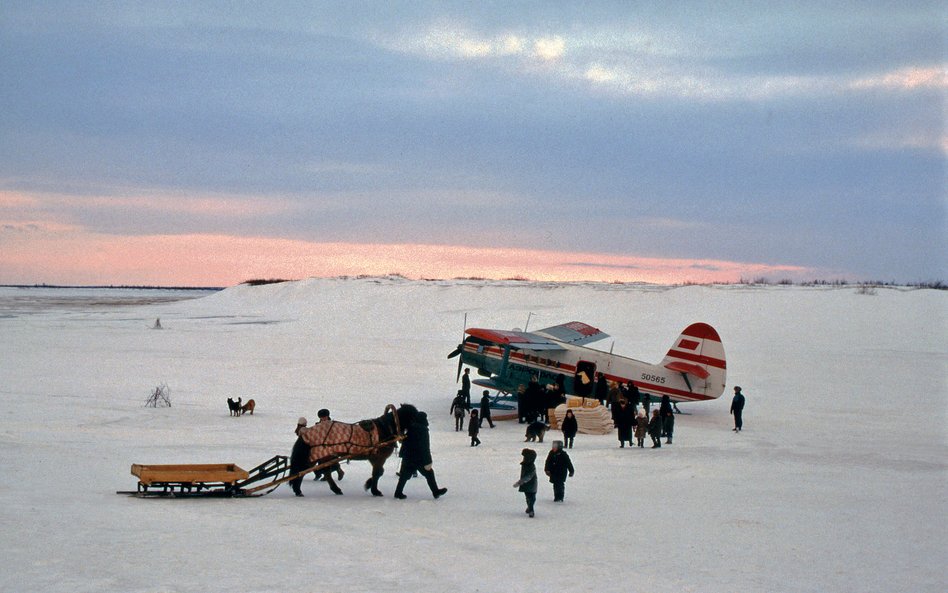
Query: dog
[(234, 406), (248, 407), (536, 430)]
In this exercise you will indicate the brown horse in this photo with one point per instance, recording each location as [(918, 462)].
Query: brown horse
[(372, 440)]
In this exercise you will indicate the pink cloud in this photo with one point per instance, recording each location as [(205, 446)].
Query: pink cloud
[(65, 256)]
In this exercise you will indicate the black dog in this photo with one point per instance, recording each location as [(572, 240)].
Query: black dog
[(536, 430), (234, 406)]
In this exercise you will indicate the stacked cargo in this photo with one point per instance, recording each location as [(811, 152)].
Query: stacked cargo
[(591, 417)]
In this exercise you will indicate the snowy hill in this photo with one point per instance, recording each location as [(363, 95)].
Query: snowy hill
[(836, 484)]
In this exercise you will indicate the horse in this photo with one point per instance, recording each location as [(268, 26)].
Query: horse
[(329, 439), (248, 407), (234, 406)]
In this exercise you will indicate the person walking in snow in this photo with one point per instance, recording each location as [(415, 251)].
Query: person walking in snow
[(737, 409), (485, 410), (474, 427), (624, 420), (528, 479), (416, 457), (459, 410), (641, 428), (655, 429), (570, 427), (557, 467), (668, 419)]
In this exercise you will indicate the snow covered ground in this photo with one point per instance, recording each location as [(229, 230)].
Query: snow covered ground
[(838, 482)]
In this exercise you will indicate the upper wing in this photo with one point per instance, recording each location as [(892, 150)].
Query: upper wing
[(574, 332), (515, 339)]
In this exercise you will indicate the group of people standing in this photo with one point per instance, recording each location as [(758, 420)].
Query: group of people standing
[(461, 407), (536, 400), (631, 422)]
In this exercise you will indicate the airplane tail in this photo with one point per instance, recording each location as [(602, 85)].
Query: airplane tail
[(699, 356)]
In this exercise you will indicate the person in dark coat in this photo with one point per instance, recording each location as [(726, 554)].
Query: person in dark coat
[(466, 387), (474, 427), (737, 409), (655, 429), (602, 389), (299, 461), (625, 419), (485, 410), (561, 388), (633, 395), (459, 410), (570, 427), (416, 456), (528, 479), (557, 467), (532, 398), (668, 419)]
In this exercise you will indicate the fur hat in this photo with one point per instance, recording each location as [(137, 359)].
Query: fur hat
[(558, 445), (737, 389), (529, 454), (301, 421), (324, 413)]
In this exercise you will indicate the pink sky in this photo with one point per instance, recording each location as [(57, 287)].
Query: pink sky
[(31, 254)]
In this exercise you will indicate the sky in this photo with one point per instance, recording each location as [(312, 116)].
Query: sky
[(211, 143)]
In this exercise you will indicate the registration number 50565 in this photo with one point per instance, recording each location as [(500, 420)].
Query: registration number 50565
[(653, 378)]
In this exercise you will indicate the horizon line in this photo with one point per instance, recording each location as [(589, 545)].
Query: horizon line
[(762, 281)]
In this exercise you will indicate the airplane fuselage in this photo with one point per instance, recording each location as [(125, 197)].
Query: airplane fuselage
[(508, 369)]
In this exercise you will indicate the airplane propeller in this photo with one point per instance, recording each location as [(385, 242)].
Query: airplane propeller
[(457, 351)]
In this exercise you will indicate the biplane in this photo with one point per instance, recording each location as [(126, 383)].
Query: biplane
[(693, 369)]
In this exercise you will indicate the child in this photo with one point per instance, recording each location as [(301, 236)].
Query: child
[(557, 466), (528, 479), (569, 427), (641, 427), (473, 427), (457, 408), (655, 429)]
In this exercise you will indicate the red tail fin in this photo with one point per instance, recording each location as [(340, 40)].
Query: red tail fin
[(699, 354)]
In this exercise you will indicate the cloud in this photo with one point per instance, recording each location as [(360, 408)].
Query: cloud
[(549, 48), (450, 41), (36, 226), (906, 79), (641, 64), (11, 200), (77, 257), (145, 202)]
